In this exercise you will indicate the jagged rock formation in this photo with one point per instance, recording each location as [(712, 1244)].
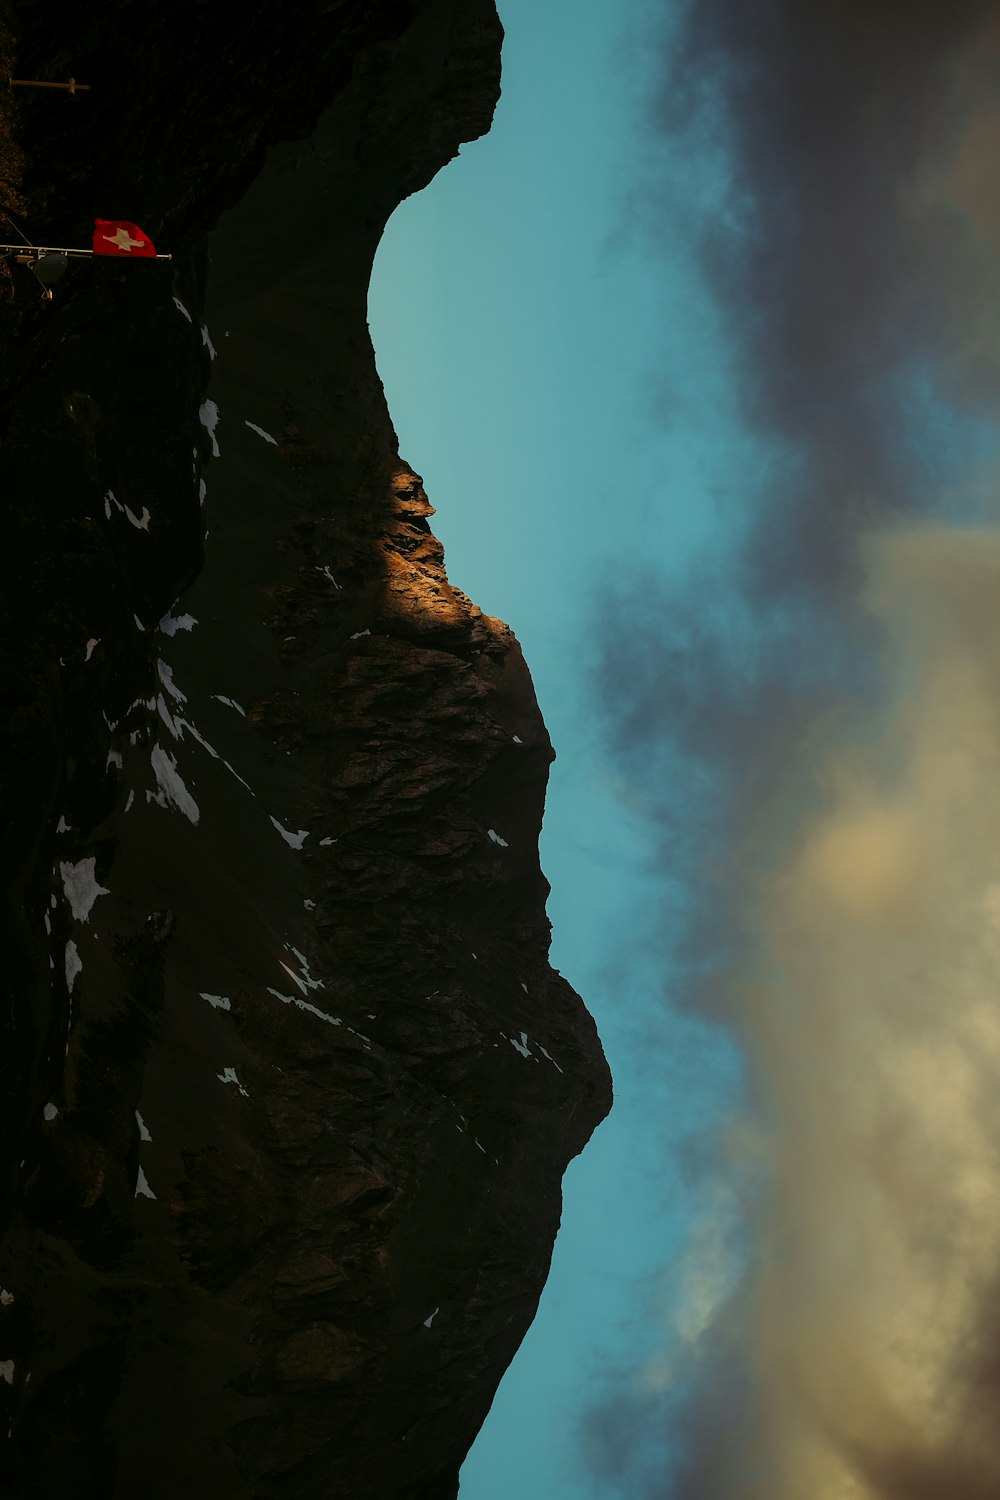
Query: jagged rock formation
[(288, 1083)]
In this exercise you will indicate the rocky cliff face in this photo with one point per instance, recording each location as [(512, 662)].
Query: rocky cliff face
[(288, 1084)]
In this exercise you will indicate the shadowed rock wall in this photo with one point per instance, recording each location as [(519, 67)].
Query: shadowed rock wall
[(288, 1083)]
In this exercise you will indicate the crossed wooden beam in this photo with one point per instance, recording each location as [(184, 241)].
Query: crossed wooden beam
[(41, 83)]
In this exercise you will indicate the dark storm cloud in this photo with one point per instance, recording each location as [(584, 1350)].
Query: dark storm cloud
[(840, 278), (832, 285), (808, 721), (825, 279), (830, 280)]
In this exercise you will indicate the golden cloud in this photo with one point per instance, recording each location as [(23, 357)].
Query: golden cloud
[(870, 1005)]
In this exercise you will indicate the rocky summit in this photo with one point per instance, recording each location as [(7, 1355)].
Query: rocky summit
[(288, 1083)]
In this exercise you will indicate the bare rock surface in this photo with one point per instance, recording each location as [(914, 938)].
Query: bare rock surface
[(289, 1085)]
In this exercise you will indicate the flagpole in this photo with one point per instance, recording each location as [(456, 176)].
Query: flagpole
[(37, 250)]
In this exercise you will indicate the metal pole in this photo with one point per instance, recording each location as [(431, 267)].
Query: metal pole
[(17, 229), (37, 250), (39, 83)]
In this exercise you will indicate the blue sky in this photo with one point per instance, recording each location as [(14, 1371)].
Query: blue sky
[(728, 468), (526, 379)]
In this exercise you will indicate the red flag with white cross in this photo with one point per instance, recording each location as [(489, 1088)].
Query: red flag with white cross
[(119, 237)]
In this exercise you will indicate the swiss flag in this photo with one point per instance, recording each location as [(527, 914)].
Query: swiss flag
[(118, 237)]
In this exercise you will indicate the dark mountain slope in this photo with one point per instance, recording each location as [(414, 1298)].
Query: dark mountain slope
[(288, 1083)]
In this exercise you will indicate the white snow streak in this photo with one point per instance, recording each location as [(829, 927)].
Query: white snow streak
[(266, 435), (170, 625), (167, 678), (141, 522), (497, 839), (80, 886), (74, 965), (294, 840), (209, 416), (172, 788), (229, 1076), (181, 308), (174, 725), (142, 1187), (218, 1002), (293, 977), (230, 703), (306, 981), (183, 723), (239, 778), (177, 728), (304, 1005)]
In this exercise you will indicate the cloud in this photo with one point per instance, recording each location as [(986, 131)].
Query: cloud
[(868, 1006), (850, 252), (853, 1359), (651, 1443), (812, 720)]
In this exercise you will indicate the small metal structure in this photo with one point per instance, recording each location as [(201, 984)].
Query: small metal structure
[(49, 262), (47, 266)]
